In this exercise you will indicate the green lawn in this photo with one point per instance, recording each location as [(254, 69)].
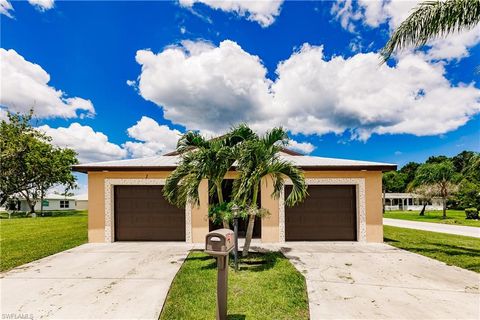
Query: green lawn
[(266, 287), (24, 240), (460, 251), (453, 217)]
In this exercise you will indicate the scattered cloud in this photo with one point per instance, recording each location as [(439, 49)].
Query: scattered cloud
[(42, 5), (6, 8), (205, 87), (152, 138), (209, 88), (302, 147), (263, 12), (24, 86), (316, 95), (90, 145), (393, 13)]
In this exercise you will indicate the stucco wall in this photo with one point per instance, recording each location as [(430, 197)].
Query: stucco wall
[(199, 221)]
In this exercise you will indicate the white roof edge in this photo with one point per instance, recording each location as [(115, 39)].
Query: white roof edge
[(301, 161)]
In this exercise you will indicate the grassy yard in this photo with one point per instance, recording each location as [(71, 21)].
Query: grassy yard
[(453, 217), (460, 251), (266, 287), (24, 240)]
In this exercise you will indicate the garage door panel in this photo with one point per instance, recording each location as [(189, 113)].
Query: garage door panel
[(327, 214), (143, 214)]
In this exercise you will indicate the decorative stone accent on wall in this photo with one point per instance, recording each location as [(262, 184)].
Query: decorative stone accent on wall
[(109, 205), (361, 206)]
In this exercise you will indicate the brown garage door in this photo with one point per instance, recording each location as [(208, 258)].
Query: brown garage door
[(327, 214), (143, 214)]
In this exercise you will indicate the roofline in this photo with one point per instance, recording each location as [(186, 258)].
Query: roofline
[(285, 150), (86, 169), (383, 168)]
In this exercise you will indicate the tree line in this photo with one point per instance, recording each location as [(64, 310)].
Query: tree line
[(29, 164), (454, 179)]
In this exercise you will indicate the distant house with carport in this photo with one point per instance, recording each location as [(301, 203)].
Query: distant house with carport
[(410, 202)]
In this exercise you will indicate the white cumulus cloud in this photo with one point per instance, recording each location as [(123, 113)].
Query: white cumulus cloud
[(209, 88), (42, 5), (205, 87), (393, 13), (24, 86), (264, 12), (152, 138), (302, 147), (91, 146)]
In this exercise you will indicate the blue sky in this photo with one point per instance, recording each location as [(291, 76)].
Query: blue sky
[(309, 66)]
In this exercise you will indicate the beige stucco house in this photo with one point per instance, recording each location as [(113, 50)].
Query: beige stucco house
[(344, 202)]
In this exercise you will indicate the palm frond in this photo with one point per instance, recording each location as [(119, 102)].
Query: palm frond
[(240, 133), (430, 20), (275, 136), (191, 139), (280, 170)]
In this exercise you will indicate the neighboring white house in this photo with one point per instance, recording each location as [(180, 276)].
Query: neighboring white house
[(81, 201), (50, 202), (410, 201)]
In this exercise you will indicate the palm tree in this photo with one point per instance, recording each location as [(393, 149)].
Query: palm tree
[(259, 157), (203, 159), (430, 20), (440, 177)]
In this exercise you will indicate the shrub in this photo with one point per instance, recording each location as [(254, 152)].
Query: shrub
[(471, 213)]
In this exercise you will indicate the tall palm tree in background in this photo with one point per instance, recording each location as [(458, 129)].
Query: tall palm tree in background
[(203, 159), (430, 20), (259, 157)]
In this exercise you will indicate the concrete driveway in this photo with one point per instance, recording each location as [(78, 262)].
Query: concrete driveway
[(94, 281), (377, 281)]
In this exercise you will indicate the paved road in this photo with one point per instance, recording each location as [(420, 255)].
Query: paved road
[(377, 281), (435, 227), (95, 281)]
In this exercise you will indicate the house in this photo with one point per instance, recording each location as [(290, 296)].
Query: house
[(411, 202), (50, 202), (81, 201), (344, 202)]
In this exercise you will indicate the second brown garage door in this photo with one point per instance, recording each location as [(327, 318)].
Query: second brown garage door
[(327, 214), (143, 214)]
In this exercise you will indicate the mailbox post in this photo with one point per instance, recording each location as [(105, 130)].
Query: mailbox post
[(219, 243), (235, 210)]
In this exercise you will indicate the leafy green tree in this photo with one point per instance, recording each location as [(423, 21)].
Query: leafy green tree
[(437, 159), (468, 195), (16, 139), (30, 164), (430, 20), (394, 181), (441, 176), (258, 158), (408, 171), (462, 160), (203, 159), (471, 170), (426, 192)]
